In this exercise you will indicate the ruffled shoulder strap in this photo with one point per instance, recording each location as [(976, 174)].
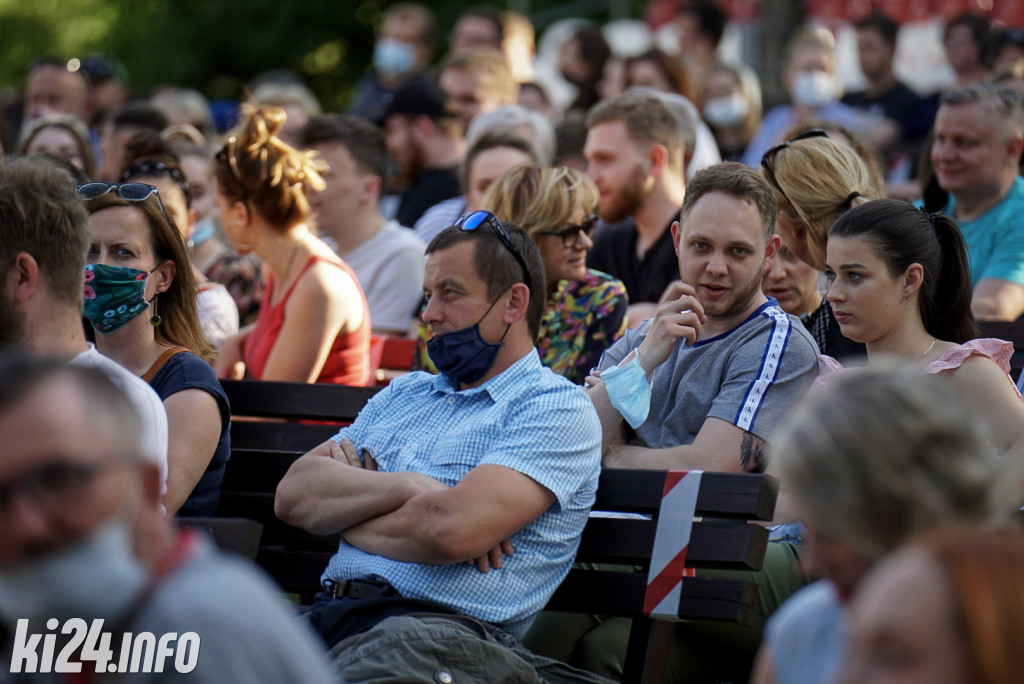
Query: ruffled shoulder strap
[(999, 351)]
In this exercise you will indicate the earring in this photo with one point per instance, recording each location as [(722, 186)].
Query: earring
[(905, 294), (155, 318)]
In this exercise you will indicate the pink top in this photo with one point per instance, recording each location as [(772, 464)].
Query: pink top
[(348, 362), (998, 351)]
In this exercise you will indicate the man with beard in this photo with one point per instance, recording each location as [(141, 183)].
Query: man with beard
[(635, 154), (705, 382), (426, 142), (44, 238)]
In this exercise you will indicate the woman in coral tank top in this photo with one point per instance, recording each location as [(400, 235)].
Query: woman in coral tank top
[(314, 324)]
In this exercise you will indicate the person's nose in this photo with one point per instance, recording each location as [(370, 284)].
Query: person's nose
[(27, 527), (716, 264)]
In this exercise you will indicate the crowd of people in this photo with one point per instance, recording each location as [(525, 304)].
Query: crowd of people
[(609, 260)]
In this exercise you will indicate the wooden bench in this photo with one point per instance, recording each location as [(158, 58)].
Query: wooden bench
[(722, 537)]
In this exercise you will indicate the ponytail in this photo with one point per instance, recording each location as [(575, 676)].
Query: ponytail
[(948, 315)]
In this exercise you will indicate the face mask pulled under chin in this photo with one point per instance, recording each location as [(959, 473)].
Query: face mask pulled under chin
[(464, 354), (96, 577)]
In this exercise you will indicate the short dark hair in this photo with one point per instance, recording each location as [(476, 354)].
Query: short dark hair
[(489, 141), (363, 140), (710, 18), (139, 115), (978, 24), (498, 268), (882, 24), (40, 214), (489, 14), (739, 181)]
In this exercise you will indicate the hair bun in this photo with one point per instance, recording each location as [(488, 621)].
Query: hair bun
[(262, 124)]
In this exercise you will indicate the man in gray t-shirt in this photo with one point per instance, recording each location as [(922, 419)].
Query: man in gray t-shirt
[(725, 362)]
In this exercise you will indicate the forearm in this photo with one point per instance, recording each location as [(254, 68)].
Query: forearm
[(324, 496), (612, 424), (683, 457), (423, 530)]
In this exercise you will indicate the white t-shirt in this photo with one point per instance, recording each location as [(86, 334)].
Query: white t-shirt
[(389, 267), (151, 411)]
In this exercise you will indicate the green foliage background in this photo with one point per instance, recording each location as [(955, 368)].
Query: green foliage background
[(216, 46)]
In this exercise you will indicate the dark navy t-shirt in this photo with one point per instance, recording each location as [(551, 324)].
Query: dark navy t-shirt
[(187, 371)]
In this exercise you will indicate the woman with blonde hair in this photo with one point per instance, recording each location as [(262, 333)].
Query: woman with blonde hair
[(62, 135), (140, 297), (816, 180), (314, 323), (586, 309)]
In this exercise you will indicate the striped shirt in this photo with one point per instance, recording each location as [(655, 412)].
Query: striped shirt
[(750, 376), (527, 419)]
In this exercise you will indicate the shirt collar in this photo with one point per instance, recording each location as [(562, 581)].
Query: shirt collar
[(497, 387)]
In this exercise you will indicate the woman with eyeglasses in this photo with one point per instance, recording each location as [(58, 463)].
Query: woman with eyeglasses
[(152, 160), (314, 323), (585, 309), (140, 298), (816, 180)]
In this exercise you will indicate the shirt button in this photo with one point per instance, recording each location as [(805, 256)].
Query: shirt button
[(451, 400), (443, 677)]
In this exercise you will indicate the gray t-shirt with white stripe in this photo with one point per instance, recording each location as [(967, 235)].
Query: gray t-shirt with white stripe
[(751, 376)]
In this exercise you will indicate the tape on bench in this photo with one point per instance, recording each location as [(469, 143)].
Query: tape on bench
[(671, 541)]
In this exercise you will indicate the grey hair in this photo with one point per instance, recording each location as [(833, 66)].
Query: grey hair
[(1003, 102), (885, 452), (527, 124)]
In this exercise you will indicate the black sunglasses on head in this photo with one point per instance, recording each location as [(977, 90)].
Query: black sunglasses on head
[(766, 158), (131, 192), (473, 221)]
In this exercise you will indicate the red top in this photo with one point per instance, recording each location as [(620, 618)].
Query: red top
[(348, 362)]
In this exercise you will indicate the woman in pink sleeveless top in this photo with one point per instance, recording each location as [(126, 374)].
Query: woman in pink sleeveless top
[(900, 283), (314, 323)]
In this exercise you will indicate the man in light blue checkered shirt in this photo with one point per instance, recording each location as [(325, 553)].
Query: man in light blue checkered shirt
[(467, 489)]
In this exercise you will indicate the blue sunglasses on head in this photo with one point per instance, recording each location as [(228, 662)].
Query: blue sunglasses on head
[(486, 218)]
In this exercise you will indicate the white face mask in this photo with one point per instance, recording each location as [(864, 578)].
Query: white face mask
[(96, 577), (726, 111), (393, 56), (816, 88)]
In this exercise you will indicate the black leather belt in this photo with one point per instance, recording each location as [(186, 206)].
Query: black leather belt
[(358, 589)]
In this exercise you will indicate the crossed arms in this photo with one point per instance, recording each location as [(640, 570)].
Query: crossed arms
[(408, 516)]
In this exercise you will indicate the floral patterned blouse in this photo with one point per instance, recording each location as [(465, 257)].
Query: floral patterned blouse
[(581, 320)]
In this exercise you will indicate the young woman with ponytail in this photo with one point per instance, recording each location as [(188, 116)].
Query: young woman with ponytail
[(314, 324), (900, 284)]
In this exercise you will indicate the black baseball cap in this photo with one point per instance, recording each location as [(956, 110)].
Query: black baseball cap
[(419, 97)]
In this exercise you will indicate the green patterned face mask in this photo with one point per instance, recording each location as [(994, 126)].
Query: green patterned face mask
[(113, 295)]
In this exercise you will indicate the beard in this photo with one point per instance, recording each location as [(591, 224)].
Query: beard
[(735, 302), (627, 200), (12, 323)]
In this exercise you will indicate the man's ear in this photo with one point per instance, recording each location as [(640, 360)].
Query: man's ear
[(677, 235), (771, 250), (658, 156), (371, 188), (1014, 147), (23, 277), (518, 303)]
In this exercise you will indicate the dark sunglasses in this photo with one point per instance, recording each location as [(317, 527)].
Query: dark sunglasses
[(51, 485), (571, 234), (131, 192), (486, 218), (148, 169), (766, 158)]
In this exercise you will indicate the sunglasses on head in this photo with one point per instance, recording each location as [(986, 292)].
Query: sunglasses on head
[(131, 192), (471, 222), (766, 158), (571, 234)]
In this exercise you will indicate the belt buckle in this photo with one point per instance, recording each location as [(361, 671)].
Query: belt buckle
[(334, 588)]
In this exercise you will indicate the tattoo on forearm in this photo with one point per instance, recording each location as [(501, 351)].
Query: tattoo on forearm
[(753, 458)]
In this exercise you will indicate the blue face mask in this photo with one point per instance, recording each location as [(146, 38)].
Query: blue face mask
[(393, 56), (113, 296), (464, 354)]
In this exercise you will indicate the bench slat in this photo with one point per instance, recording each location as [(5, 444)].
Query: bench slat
[(296, 400), (722, 495)]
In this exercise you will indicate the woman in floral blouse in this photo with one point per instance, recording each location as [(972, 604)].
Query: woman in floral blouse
[(586, 309)]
